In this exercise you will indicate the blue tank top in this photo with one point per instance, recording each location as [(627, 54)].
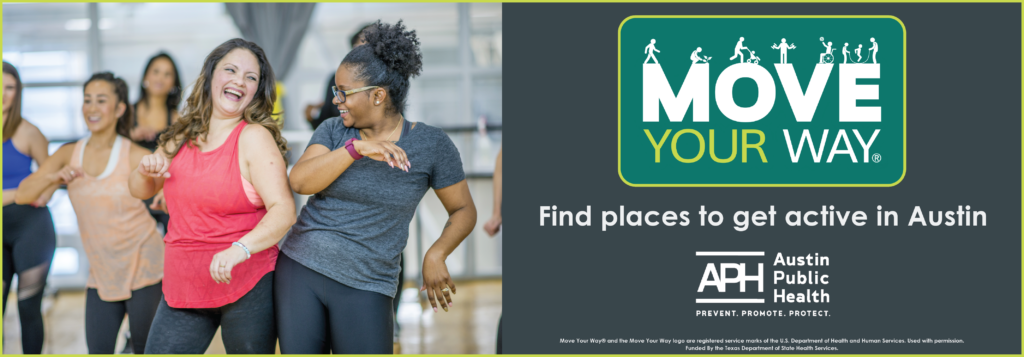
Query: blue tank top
[(17, 166)]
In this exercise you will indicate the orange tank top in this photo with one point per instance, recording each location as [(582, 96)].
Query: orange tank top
[(120, 238)]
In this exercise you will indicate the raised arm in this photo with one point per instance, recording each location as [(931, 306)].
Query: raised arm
[(461, 220), (267, 171), (151, 171), (51, 174), (319, 166)]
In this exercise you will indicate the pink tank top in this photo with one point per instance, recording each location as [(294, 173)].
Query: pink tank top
[(209, 210), (124, 248)]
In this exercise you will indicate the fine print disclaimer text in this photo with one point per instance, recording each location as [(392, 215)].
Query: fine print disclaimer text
[(760, 344)]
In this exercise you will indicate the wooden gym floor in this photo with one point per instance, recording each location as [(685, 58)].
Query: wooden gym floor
[(470, 327)]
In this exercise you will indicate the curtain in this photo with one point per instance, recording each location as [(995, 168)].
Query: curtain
[(277, 28)]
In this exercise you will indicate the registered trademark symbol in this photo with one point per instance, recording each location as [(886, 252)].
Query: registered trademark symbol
[(876, 157)]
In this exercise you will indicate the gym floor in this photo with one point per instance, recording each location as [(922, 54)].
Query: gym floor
[(469, 328)]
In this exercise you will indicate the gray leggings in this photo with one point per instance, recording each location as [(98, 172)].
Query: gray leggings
[(247, 325)]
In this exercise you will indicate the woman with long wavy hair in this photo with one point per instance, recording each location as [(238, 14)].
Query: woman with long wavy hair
[(29, 237), (222, 169)]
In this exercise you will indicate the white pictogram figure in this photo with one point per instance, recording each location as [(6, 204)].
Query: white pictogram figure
[(846, 52), (783, 48), (650, 50), (737, 52), (827, 56), (860, 48), (696, 57), (874, 50), (753, 59)]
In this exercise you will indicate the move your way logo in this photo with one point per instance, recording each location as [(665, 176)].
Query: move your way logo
[(762, 101)]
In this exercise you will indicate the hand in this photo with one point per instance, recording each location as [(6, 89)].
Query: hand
[(223, 262), (65, 175), (493, 225), (437, 282), (141, 133), (159, 203), (383, 151), (155, 165)]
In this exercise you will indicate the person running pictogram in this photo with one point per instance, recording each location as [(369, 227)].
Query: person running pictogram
[(650, 50), (783, 48), (737, 52)]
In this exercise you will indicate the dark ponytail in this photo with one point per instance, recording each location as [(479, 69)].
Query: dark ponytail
[(390, 57), (127, 120)]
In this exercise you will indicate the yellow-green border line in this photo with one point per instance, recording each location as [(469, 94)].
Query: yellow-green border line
[(619, 99)]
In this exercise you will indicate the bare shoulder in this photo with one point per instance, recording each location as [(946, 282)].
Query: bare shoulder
[(257, 135), (29, 131)]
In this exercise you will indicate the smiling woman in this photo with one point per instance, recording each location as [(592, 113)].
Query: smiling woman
[(228, 198), (339, 269), (120, 238)]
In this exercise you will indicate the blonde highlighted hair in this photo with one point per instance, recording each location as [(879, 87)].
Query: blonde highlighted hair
[(194, 123)]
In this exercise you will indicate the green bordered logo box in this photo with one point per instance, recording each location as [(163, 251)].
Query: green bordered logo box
[(762, 101)]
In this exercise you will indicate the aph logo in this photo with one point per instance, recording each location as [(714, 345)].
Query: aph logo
[(721, 277), (762, 101)]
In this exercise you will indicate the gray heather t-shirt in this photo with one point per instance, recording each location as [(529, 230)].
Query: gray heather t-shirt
[(355, 229)]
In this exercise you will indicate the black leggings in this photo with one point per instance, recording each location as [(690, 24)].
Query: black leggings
[(401, 282), (247, 325), (318, 315), (103, 318), (29, 242)]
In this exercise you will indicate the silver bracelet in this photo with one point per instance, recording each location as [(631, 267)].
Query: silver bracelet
[(240, 245)]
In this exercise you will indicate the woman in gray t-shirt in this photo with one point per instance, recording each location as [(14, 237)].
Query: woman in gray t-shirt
[(368, 170)]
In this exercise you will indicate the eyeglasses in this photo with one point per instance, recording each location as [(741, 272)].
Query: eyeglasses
[(341, 95)]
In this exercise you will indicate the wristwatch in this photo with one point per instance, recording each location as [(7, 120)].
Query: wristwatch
[(352, 149)]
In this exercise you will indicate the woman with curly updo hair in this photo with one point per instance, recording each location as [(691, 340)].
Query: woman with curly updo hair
[(368, 170), (222, 169)]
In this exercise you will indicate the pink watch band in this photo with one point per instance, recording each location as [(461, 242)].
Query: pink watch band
[(352, 149)]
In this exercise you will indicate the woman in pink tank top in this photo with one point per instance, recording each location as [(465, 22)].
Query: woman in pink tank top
[(120, 238), (222, 169)]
